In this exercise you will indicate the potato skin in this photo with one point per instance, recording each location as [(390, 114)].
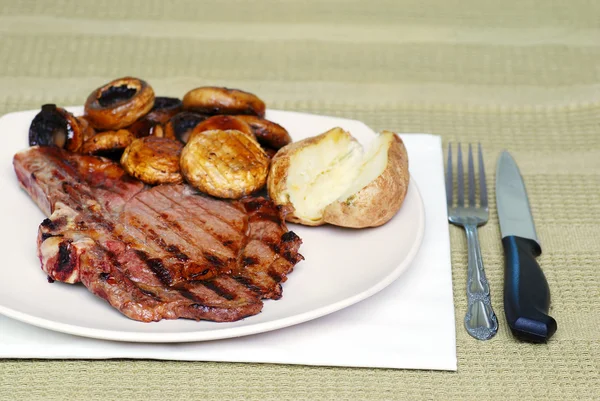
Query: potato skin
[(225, 164), (153, 160), (380, 200)]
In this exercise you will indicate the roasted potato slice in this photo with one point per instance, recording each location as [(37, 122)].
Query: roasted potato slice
[(224, 123), (267, 132), (153, 160), (329, 179), (226, 164), (108, 143), (213, 100)]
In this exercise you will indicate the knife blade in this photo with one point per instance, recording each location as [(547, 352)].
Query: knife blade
[(526, 291)]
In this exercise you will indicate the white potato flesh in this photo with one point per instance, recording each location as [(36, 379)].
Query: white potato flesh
[(320, 174), (372, 165)]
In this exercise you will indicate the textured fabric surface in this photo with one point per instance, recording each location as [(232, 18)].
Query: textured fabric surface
[(522, 75)]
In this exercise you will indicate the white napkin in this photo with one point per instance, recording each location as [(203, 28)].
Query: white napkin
[(410, 324)]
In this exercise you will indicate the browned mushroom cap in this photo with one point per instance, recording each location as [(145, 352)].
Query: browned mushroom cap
[(153, 160), (108, 144), (224, 123), (164, 108), (270, 152), (159, 131), (213, 100), (119, 103), (152, 123), (54, 126), (144, 127), (267, 132), (86, 128), (181, 125)]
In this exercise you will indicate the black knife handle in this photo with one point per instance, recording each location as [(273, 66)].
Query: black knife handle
[(526, 292)]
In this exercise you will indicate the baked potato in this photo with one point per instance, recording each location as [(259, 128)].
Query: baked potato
[(331, 179), (225, 164), (153, 160)]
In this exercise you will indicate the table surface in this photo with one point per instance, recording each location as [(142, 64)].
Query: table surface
[(522, 75)]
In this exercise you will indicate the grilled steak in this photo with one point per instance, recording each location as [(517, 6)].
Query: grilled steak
[(154, 253)]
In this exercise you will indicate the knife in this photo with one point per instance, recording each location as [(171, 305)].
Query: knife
[(526, 292)]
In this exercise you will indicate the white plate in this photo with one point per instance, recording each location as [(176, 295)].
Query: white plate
[(342, 266)]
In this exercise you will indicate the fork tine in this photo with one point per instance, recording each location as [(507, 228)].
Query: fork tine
[(471, 178), (461, 180), (449, 177), (482, 185)]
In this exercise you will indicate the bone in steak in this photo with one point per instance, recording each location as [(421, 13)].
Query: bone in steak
[(164, 252)]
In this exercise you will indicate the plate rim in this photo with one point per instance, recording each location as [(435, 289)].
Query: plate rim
[(231, 332)]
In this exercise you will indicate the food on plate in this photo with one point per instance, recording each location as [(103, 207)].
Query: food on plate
[(54, 126), (224, 123), (146, 127), (152, 124), (119, 103), (108, 143), (213, 100), (86, 128), (153, 160), (164, 108), (181, 125), (379, 189), (226, 164), (267, 132), (330, 179), (150, 234), (153, 253), (270, 152)]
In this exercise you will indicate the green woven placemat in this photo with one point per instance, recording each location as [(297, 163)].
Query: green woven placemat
[(522, 75)]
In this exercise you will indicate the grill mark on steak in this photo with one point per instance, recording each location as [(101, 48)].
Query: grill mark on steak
[(180, 231), (200, 220), (45, 236), (187, 269), (64, 264), (290, 236), (157, 267), (214, 260), (198, 201), (201, 264), (176, 263), (175, 251), (247, 282), (211, 285), (54, 225)]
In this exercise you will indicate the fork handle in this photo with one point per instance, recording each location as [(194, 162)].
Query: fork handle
[(526, 292), (480, 319)]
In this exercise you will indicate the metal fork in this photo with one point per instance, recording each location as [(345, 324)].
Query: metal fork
[(480, 319)]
